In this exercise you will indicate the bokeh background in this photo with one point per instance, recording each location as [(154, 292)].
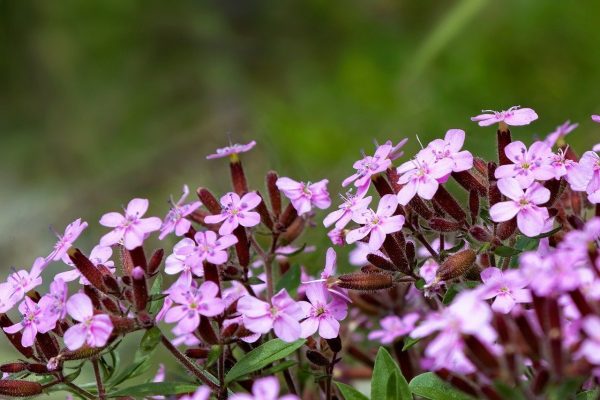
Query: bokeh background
[(104, 101)]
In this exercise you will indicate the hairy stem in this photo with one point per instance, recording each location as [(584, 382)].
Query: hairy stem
[(79, 391)]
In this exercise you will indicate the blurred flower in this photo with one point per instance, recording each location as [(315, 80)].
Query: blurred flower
[(72, 232), (514, 116), (590, 348), (393, 327), (129, 228), (377, 224), (264, 389), (529, 165), (508, 288), (305, 195), (92, 329), (559, 133), (232, 149), (202, 393), (596, 118), (175, 220), (236, 211)]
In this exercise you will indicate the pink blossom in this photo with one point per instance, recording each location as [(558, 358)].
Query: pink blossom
[(393, 327), (7, 301), (305, 195), (192, 303), (559, 133), (508, 288), (100, 255), (236, 211), (352, 204), (422, 176), (586, 176), (590, 348), (596, 118), (175, 220), (550, 274), (530, 217), (369, 166), (514, 116), (377, 224), (202, 393), (322, 311), (181, 262), (529, 165), (449, 148), (92, 329), (282, 315), (206, 246), (264, 389), (129, 228), (358, 255), (561, 165), (337, 236), (328, 277), (32, 323), (72, 232), (231, 150), (54, 303), (396, 152), (186, 339), (248, 337), (22, 281), (428, 272)]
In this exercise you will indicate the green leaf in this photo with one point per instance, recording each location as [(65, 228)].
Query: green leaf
[(387, 381), (505, 251), (420, 284), (409, 342), (450, 294), (279, 367), (430, 386), (253, 280), (290, 280), (588, 395), (155, 389), (508, 392), (140, 362), (213, 356), (549, 233), (262, 356), (349, 392), (156, 301)]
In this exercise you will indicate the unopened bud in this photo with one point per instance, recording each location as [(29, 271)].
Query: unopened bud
[(274, 193), (410, 250), (111, 284), (480, 166), (15, 338), (263, 211), (242, 247), (444, 225), (86, 267), (85, 352), (504, 140), (288, 216), (420, 207), (238, 178), (396, 254), (122, 325), (229, 330), (393, 177), (474, 204), (381, 185), (37, 368), (456, 265), (18, 388), (206, 331), (449, 204), (469, 181), (506, 229), (198, 353), (381, 262), (293, 231), (140, 289), (138, 257), (209, 201), (335, 344), (11, 368), (481, 234), (479, 353), (155, 261), (366, 282), (317, 358)]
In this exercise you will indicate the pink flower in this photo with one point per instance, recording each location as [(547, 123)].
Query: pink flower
[(377, 224), (586, 176), (352, 204), (54, 303), (305, 195), (22, 281), (394, 327), (232, 150), (181, 262), (514, 116), (396, 152), (202, 393), (323, 312), (192, 303), (422, 176), (369, 166), (559, 134), (562, 166), (327, 273), (129, 228), (449, 148), (507, 288), (236, 212), (7, 301), (428, 272), (596, 118), (590, 348), (99, 255), (206, 246), (264, 389), (530, 217), (72, 232), (282, 315), (528, 165), (32, 323), (92, 329), (337, 236), (175, 220)]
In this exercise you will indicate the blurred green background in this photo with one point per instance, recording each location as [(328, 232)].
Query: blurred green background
[(104, 101)]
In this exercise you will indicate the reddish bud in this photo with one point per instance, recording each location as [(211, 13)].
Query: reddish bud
[(317, 358), (288, 216), (211, 273), (393, 177), (37, 368), (111, 283), (335, 344), (11, 368), (138, 257), (206, 331), (242, 247), (381, 185), (155, 261), (293, 231), (504, 139), (456, 265), (444, 225), (208, 200), (420, 207), (140, 289), (238, 178), (122, 325), (366, 282), (506, 229), (18, 388), (263, 211), (447, 202), (94, 295), (469, 182), (480, 354), (381, 262), (86, 267), (274, 193), (474, 204), (480, 166), (198, 353), (410, 250), (481, 234), (396, 254)]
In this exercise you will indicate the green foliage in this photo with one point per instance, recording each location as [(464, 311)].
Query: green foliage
[(430, 386), (387, 381), (155, 389), (349, 392)]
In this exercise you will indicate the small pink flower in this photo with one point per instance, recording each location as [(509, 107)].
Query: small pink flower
[(586, 176), (72, 232), (422, 176), (428, 272), (282, 315), (514, 116), (524, 205), (92, 329), (396, 150), (394, 327), (561, 165), (100, 255), (352, 204), (236, 211), (6, 299), (32, 323), (129, 228), (529, 165), (206, 246), (449, 148), (590, 348), (175, 220), (232, 150), (54, 303), (337, 236), (377, 224), (559, 133), (181, 262), (264, 389), (369, 166), (596, 118), (305, 195), (23, 281), (192, 303), (508, 288), (323, 312)]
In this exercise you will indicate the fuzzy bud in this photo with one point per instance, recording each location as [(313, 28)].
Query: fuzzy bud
[(410, 250), (420, 207), (207, 332), (444, 225), (481, 234), (456, 265), (293, 231), (393, 177), (140, 289), (87, 268), (263, 211), (366, 282), (506, 229), (242, 247), (335, 344), (111, 284), (288, 216), (18, 388), (381, 262), (155, 261), (474, 204), (317, 358), (504, 139), (12, 368), (396, 255), (449, 204), (198, 353), (469, 181), (274, 193), (209, 201), (138, 257), (381, 185), (238, 178), (480, 166)]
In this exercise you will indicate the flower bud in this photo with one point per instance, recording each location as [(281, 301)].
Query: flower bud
[(242, 247), (504, 139), (474, 204), (155, 261), (480, 166), (48, 344), (111, 284), (456, 265), (410, 250), (238, 178), (138, 257), (480, 354), (506, 229), (140, 289), (37, 368), (206, 331), (94, 296), (481, 234), (263, 211), (381, 262), (540, 381), (80, 354), (444, 225), (274, 193), (211, 273), (198, 353), (381, 185), (335, 344), (445, 200), (86, 267), (396, 255), (18, 388), (317, 358), (12, 368), (366, 282), (209, 201), (288, 216), (293, 231), (122, 325), (469, 181), (420, 207)]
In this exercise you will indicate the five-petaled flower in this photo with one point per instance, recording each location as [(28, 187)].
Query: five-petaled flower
[(231, 150), (449, 148), (394, 327), (192, 303), (529, 165), (369, 166), (507, 288), (130, 228), (305, 195), (33, 322), (514, 116), (175, 220), (236, 211), (351, 205), (323, 311), (264, 389), (206, 246), (422, 176), (92, 329)]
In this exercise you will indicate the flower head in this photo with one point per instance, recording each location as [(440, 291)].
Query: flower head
[(507, 288), (514, 116), (206, 246), (422, 176), (175, 220), (352, 204), (191, 304), (393, 327), (22, 281), (92, 329), (449, 148), (557, 137), (524, 204), (72, 232), (33, 322), (305, 195), (529, 165), (130, 228), (236, 211), (322, 311), (369, 166), (232, 150)]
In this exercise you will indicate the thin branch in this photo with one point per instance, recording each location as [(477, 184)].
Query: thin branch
[(99, 385)]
